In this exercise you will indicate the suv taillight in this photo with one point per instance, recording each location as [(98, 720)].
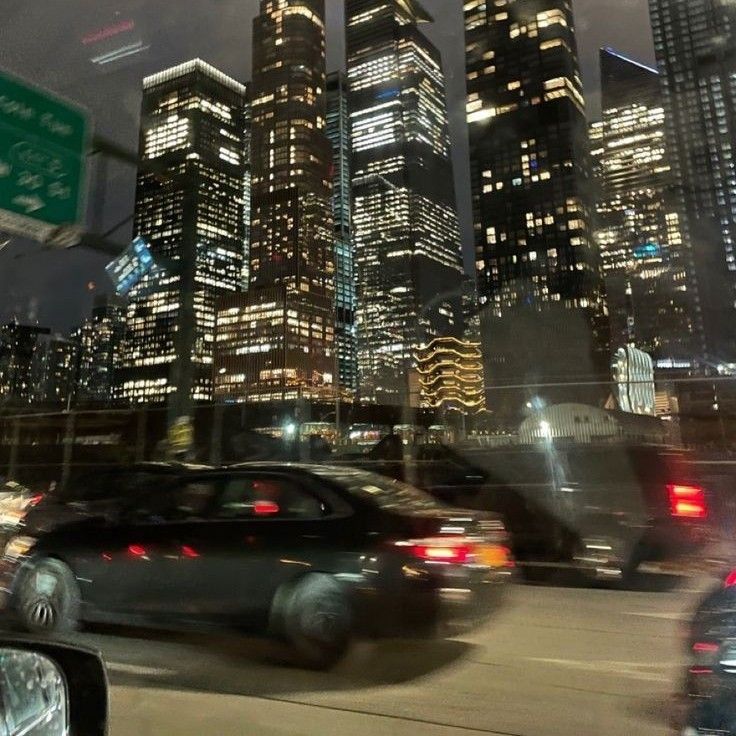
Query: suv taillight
[(687, 501), (730, 580)]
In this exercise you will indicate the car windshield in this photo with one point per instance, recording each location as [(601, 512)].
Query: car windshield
[(370, 365)]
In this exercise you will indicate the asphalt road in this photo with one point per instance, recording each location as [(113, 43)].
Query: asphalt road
[(555, 660)]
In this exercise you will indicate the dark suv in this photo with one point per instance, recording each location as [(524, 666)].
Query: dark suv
[(604, 509)]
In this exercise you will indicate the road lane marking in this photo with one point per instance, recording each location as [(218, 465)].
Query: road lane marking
[(633, 670), (663, 616), (135, 669)]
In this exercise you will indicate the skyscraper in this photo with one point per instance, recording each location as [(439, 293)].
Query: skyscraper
[(100, 341), (338, 131), (287, 317), (538, 269), (405, 229), (695, 46), (645, 250), (18, 345), (53, 370), (189, 208)]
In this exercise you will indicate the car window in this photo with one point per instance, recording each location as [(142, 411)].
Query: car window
[(188, 501), (260, 497), (115, 484), (384, 492)]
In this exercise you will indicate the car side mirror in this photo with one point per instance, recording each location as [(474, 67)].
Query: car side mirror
[(52, 688)]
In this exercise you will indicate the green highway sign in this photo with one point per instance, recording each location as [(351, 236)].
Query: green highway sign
[(43, 153)]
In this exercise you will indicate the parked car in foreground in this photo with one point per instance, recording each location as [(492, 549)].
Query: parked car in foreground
[(310, 554), (603, 509)]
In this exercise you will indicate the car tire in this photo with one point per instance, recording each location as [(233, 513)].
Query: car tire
[(315, 617), (48, 598)]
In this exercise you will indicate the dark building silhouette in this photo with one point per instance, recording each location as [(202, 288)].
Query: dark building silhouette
[(538, 267), (695, 46)]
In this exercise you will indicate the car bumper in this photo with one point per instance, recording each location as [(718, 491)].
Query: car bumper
[(431, 602)]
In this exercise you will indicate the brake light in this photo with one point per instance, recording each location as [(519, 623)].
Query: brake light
[(687, 502), (705, 646), (35, 500), (455, 552), (730, 580), (265, 508)]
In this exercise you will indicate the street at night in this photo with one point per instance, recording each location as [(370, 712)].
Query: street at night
[(556, 660)]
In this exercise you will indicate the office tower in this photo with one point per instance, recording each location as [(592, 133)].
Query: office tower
[(644, 248), (53, 370), (17, 346), (338, 131), (405, 229), (539, 278), (695, 46), (189, 208), (287, 317), (100, 341), (451, 375)]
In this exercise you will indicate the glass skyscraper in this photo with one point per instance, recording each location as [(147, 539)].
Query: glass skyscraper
[(695, 46), (407, 243), (277, 341), (539, 278), (338, 131), (645, 250), (189, 208)]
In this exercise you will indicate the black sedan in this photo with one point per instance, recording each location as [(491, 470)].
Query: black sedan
[(310, 554)]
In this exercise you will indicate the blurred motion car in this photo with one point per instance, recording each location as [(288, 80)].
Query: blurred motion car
[(602, 509), (16, 500), (310, 554)]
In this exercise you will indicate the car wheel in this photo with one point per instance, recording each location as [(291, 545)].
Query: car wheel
[(316, 619), (47, 598)]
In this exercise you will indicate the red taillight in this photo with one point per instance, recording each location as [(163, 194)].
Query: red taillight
[(265, 508), (730, 580), (137, 550), (705, 646), (449, 551), (687, 502), (35, 500)]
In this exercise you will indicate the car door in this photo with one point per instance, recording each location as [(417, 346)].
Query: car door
[(264, 529), (137, 560)]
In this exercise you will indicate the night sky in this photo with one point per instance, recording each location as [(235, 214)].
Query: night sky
[(51, 43)]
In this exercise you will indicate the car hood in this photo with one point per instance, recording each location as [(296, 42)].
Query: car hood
[(50, 517)]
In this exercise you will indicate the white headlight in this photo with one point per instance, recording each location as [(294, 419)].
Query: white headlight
[(19, 546)]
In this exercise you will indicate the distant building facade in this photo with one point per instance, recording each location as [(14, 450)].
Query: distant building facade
[(100, 341), (536, 259), (54, 370), (338, 131), (189, 207), (288, 313), (633, 374), (450, 373), (18, 345), (647, 260), (695, 47), (405, 229)]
